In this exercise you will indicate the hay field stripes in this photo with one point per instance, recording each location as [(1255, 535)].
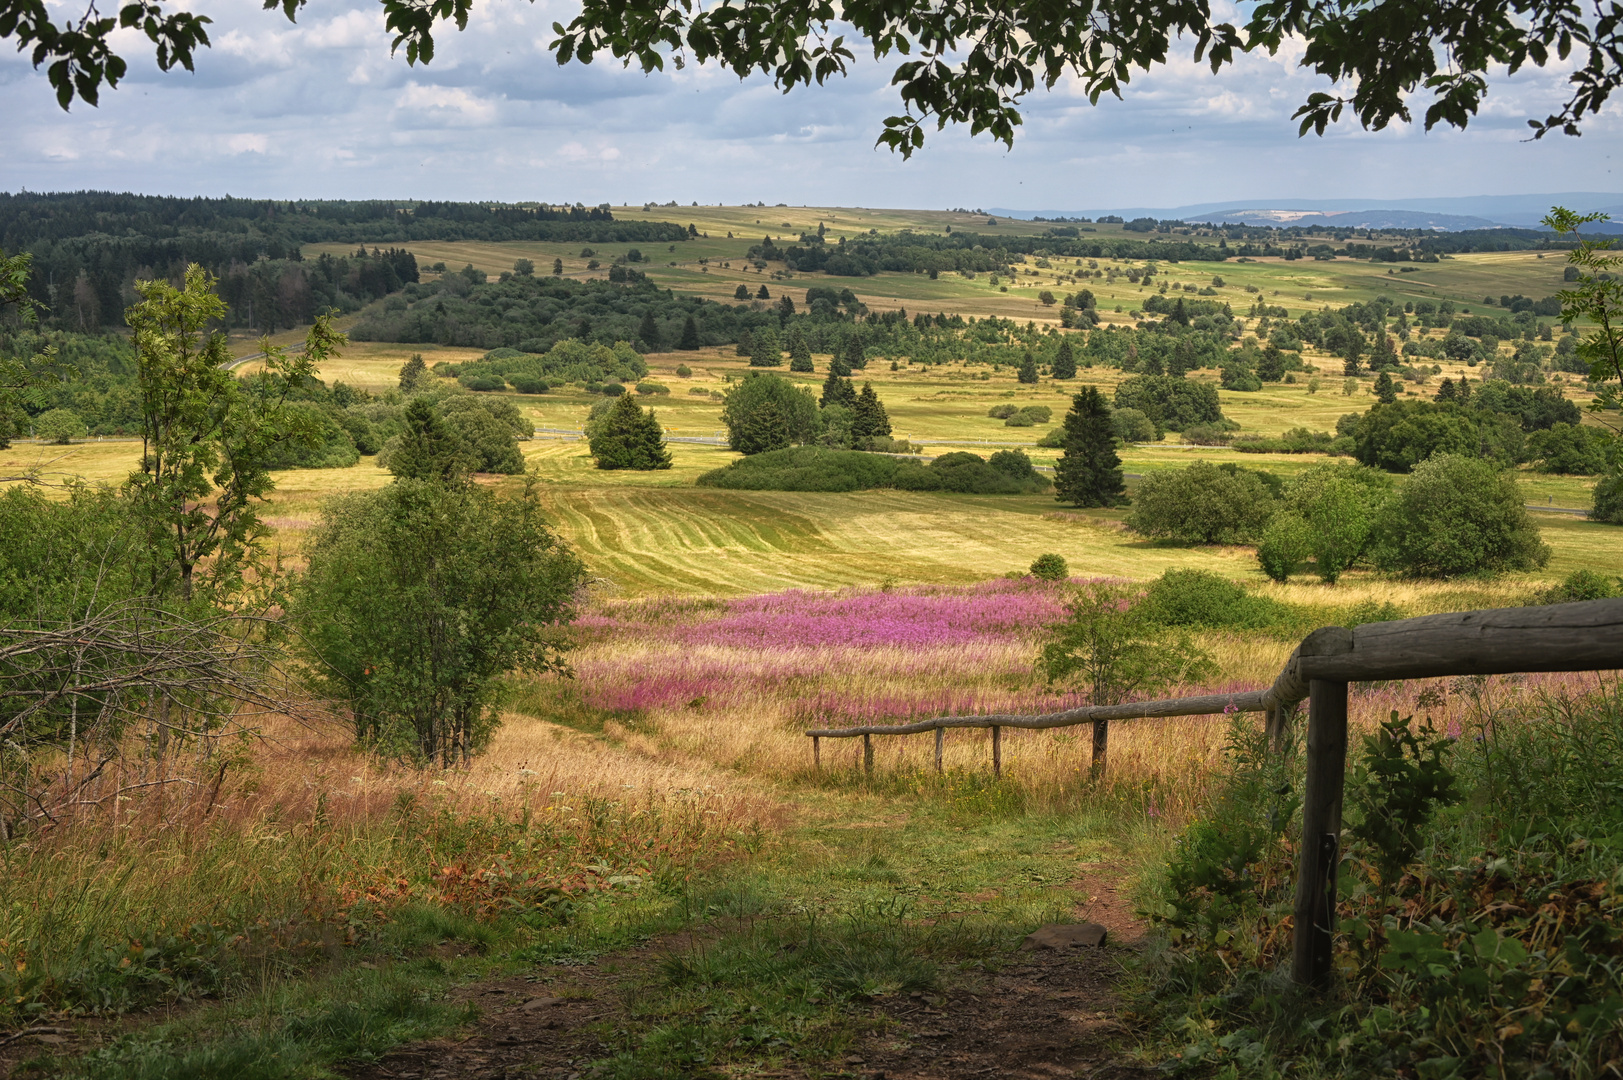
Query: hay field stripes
[(647, 541)]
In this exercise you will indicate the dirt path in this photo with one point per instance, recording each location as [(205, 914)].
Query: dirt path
[(1045, 1013)]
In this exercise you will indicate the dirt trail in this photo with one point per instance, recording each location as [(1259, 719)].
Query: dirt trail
[(1045, 1014)]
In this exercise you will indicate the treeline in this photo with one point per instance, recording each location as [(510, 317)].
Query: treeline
[(90, 247), (960, 252)]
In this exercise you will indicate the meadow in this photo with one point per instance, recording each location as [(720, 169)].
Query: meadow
[(306, 905)]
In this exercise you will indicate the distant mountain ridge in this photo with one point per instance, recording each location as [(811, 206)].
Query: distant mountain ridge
[(1449, 214)]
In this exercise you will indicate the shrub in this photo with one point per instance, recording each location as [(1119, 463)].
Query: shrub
[(1206, 435), (1608, 504), (1002, 412), (1199, 598), (1567, 448), (1286, 544), (1202, 504), (1172, 403), (1132, 426), (1337, 505), (613, 389), (528, 384), (1399, 436), (60, 426), (1580, 585), (815, 468), (683, 371), (1050, 567), (768, 412), (1457, 516), (646, 387)]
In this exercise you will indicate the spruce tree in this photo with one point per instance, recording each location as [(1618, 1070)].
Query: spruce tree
[(765, 428), (1064, 361), (799, 352), (648, 331), (1384, 389), (629, 438), (856, 356), (1028, 369), (837, 391), (1089, 472), (690, 336), (762, 294), (869, 419), (1445, 392), (746, 343), (765, 351), (741, 293), (413, 373), (1271, 368), (428, 449)]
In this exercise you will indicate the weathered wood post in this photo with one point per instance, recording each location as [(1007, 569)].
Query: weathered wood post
[(1321, 832), (997, 751), (1278, 726), (1101, 748), (867, 754), (817, 753), (940, 738)]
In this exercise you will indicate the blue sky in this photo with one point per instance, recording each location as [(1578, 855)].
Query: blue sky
[(320, 109)]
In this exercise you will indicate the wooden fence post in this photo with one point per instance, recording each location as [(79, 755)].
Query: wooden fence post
[(1321, 832), (997, 751), (940, 738), (817, 753), (867, 755), (1278, 726), (1101, 748)]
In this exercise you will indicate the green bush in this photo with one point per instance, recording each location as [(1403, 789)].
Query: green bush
[(645, 387), (1608, 504), (1002, 412), (1569, 449), (1335, 506), (1202, 504), (1580, 585), (1171, 402), (1132, 426), (768, 412), (1457, 516), (816, 468), (1200, 598), (1050, 567), (60, 426)]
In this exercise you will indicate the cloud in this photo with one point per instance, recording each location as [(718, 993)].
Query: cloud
[(322, 108)]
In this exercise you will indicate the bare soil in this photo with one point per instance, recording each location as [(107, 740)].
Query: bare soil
[(1046, 1013)]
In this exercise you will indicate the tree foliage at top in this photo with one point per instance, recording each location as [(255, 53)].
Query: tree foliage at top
[(973, 61)]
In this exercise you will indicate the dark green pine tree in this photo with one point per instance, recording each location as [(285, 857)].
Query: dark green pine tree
[(1385, 391), (690, 336), (629, 438), (1446, 392), (799, 352), (429, 449), (1028, 369), (764, 429), (1064, 366), (648, 332), (746, 343), (1271, 368), (741, 293), (1089, 472), (413, 373), (869, 419), (762, 293), (837, 391), (856, 355)]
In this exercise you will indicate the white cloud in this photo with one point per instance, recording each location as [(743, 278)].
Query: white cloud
[(321, 108)]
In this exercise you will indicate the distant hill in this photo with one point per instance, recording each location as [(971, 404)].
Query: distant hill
[(1450, 214)]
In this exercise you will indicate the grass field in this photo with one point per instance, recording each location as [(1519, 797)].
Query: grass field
[(1298, 286)]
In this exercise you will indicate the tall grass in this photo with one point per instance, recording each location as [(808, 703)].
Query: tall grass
[(298, 845)]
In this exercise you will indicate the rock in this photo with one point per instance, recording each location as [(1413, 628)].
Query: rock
[(537, 1004), (1066, 936)]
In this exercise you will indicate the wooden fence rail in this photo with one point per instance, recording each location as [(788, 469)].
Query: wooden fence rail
[(1585, 636)]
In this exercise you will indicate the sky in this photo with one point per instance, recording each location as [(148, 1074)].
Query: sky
[(321, 110)]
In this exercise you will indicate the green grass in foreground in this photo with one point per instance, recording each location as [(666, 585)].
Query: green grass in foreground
[(883, 893)]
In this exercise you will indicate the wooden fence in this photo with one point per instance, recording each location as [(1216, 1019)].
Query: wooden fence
[(1586, 636)]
